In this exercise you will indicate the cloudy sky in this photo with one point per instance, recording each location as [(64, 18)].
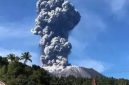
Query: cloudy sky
[(100, 40)]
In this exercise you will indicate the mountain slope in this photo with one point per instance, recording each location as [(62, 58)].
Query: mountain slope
[(77, 72)]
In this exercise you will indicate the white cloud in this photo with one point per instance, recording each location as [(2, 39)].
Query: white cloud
[(79, 57), (6, 32), (15, 35), (119, 8), (118, 5), (4, 52), (87, 31), (90, 63), (92, 24), (89, 27), (77, 45), (97, 65)]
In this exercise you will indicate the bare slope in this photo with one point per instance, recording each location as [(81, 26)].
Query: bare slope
[(77, 72)]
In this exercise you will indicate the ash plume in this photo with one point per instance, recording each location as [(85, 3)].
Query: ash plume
[(55, 20)]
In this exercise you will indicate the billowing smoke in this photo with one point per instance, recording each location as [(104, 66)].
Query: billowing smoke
[(55, 20)]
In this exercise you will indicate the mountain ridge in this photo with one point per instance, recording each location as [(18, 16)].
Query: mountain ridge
[(77, 71)]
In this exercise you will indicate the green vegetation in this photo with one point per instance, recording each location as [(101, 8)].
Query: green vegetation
[(13, 72), (26, 57)]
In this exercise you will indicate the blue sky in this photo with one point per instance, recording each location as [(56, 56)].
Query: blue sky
[(100, 40)]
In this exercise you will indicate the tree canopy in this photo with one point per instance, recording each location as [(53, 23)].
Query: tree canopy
[(16, 73)]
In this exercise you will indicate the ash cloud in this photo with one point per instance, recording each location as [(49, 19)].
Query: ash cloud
[(55, 20)]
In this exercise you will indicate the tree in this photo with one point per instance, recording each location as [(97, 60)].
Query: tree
[(26, 57), (3, 61), (13, 58), (17, 59)]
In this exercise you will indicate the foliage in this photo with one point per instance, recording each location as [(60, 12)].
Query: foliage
[(17, 73), (13, 72), (26, 57), (13, 58)]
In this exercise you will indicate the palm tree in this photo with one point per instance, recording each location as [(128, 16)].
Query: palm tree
[(26, 57), (13, 58), (17, 59)]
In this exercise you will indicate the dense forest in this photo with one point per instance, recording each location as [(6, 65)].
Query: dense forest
[(14, 71)]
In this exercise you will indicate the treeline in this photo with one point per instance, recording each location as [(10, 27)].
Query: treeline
[(83, 81), (15, 72)]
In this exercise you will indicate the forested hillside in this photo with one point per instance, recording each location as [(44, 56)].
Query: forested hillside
[(15, 72)]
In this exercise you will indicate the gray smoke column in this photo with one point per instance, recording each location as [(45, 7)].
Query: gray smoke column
[(55, 20)]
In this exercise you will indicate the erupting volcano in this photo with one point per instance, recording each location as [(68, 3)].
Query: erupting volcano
[(55, 20)]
